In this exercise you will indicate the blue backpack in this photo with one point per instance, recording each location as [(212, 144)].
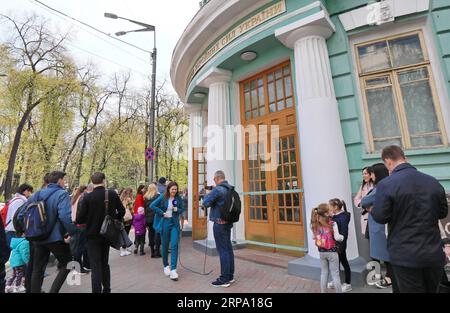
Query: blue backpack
[(36, 225)]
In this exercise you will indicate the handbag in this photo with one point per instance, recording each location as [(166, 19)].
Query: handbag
[(111, 228), (128, 217)]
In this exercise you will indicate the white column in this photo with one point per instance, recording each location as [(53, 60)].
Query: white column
[(217, 143), (195, 141), (325, 170)]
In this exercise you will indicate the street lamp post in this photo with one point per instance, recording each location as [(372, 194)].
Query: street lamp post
[(147, 28)]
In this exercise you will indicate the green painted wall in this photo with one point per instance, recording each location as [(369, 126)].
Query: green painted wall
[(435, 162)]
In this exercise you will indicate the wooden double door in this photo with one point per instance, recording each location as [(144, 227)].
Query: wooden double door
[(273, 193)]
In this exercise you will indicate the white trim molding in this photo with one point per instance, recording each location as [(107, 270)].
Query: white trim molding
[(381, 12)]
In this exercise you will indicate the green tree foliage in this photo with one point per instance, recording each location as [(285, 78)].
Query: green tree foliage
[(71, 120)]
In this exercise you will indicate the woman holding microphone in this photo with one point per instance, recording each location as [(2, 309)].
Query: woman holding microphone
[(168, 209)]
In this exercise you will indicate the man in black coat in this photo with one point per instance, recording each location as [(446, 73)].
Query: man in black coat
[(92, 213), (411, 203), (4, 254)]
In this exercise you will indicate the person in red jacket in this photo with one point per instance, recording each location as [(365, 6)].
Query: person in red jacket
[(139, 201)]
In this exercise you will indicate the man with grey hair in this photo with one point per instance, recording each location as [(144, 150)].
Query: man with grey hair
[(215, 199)]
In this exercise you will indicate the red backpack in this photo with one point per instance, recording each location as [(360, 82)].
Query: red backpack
[(324, 237), (5, 212)]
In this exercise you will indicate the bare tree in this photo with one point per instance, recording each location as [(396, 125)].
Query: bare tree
[(39, 54)]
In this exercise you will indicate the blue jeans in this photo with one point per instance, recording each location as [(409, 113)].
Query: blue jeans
[(170, 236), (222, 233)]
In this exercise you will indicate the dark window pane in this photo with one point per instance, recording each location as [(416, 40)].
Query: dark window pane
[(264, 200), (291, 142), (258, 214), (252, 213), (289, 214), (285, 157), (383, 116), (426, 141), (279, 171), (374, 57), (289, 200), (284, 142), (297, 215), (265, 216), (281, 215), (296, 199), (294, 170), (281, 200), (286, 171), (406, 50)]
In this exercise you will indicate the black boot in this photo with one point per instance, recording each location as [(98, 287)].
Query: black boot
[(153, 251), (158, 253)]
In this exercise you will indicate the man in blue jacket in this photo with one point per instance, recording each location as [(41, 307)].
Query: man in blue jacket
[(215, 199), (411, 203), (59, 213)]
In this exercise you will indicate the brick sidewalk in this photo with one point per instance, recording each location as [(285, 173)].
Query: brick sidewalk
[(142, 274)]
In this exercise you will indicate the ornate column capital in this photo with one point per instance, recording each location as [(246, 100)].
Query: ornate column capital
[(212, 76), (318, 24), (190, 108)]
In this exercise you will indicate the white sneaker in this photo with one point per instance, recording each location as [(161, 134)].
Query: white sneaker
[(167, 271), (127, 252), (346, 287), (9, 289), (173, 275), (122, 252), (330, 285)]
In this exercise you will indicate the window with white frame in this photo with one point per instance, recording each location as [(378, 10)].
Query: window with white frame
[(400, 102)]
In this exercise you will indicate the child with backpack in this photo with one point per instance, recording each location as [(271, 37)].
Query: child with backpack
[(140, 230), (342, 219), (326, 234), (20, 256)]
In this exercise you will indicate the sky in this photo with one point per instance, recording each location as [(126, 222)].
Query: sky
[(170, 17)]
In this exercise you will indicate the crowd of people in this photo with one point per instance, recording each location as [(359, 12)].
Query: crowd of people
[(400, 212), (75, 231)]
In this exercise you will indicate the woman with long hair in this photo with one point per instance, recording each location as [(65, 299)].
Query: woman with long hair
[(366, 186), (126, 197), (377, 232), (154, 238), (168, 208), (139, 201), (78, 242)]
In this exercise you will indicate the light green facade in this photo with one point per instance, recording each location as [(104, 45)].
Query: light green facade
[(435, 162)]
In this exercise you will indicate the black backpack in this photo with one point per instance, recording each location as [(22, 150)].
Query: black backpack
[(231, 210)]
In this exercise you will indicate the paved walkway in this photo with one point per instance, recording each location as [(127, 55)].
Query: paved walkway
[(142, 274)]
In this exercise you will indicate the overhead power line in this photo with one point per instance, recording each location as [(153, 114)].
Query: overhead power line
[(90, 26)]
